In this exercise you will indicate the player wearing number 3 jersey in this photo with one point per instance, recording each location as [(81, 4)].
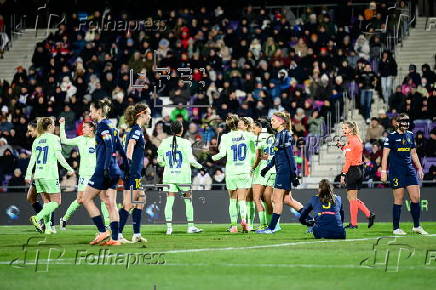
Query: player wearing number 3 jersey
[(238, 146)]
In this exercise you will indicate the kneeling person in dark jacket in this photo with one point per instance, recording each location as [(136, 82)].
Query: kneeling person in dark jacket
[(329, 214)]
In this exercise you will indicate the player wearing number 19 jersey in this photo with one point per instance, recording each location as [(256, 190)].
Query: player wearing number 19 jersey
[(175, 155), (238, 147)]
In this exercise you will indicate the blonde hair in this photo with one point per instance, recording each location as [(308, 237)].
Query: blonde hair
[(286, 117), (354, 128), (248, 122), (232, 122), (132, 113), (42, 124)]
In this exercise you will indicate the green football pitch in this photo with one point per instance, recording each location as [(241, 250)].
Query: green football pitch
[(215, 259)]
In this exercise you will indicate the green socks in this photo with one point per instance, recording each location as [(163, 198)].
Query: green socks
[(105, 214), (169, 210), (71, 209), (46, 211), (251, 208), (242, 209), (189, 212), (233, 211)]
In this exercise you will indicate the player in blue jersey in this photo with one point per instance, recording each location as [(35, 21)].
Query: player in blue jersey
[(137, 117), (400, 153), (107, 173), (328, 211), (284, 163)]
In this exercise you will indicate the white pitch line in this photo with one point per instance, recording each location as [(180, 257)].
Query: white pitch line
[(239, 248)]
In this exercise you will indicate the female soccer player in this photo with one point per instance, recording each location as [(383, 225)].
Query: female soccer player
[(86, 145), (137, 117), (175, 155), (238, 147), (329, 214), (32, 195), (352, 173), (246, 124), (400, 152), (262, 186), (106, 175), (46, 152), (284, 162)]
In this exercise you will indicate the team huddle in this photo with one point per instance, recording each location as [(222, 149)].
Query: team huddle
[(260, 173)]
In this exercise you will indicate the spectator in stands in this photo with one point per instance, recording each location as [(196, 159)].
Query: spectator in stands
[(397, 101), (421, 144), (316, 123), (430, 177), (367, 82), (430, 148), (387, 68), (374, 132), (202, 181), (16, 181), (218, 180), (428, 74), (413, 76), (383, 119)]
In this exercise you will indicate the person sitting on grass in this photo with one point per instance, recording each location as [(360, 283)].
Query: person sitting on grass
[(329, 214)]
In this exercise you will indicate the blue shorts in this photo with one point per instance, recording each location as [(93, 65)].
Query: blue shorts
[(133, 182), (320, 232), (98, 181), (402, 178), (283, 181)]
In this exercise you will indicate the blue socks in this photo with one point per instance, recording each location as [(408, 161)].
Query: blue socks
[(396, 213), (114, 229), (415, 211), (274, 220), (37, 207), (136, 220), (124, 215), (98, 221)]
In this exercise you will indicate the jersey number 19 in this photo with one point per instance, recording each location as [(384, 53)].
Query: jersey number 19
[(176, 158)]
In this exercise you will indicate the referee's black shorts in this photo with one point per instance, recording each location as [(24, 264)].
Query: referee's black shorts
[(354, 177)]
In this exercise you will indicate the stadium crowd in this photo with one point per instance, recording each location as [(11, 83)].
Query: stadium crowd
[(253, 64)]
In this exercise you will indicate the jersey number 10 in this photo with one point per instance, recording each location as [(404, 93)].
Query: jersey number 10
[(239, 152), (44, 156), (177, 159)]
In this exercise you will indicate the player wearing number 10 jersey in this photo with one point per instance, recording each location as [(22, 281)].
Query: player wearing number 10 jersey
[(238, 146), (175, 155)]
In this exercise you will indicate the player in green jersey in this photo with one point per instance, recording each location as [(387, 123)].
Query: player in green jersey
[(175, 155), (32, 195), (263, 186), (246, 124), (86, 145), (46, 152), (238, 147)]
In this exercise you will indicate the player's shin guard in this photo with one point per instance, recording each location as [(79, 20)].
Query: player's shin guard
[(415, 211), (114, 229), (124, 215), (274, 220), (233, 211), (136, 220), (251, 213), (361, 205), (396, 213), (354, 209), (98, 221), (71, 209), (47, 210), (189, 212), (169, 210), (105, 214), (37, 207), (242, 210)]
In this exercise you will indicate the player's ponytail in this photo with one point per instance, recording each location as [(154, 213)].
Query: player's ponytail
[(232, 122), (325, 192), (354, 129), (176, 129), (249, 123), (43, 124), (132, 113), (104, 105)]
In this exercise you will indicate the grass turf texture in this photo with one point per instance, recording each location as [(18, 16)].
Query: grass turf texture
[(215, 259)]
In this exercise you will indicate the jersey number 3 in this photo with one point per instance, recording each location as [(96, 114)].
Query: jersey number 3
[(43, 150)]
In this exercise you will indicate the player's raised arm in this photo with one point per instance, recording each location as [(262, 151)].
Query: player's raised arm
[(58, 153), (64, 140), (31, 164)]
